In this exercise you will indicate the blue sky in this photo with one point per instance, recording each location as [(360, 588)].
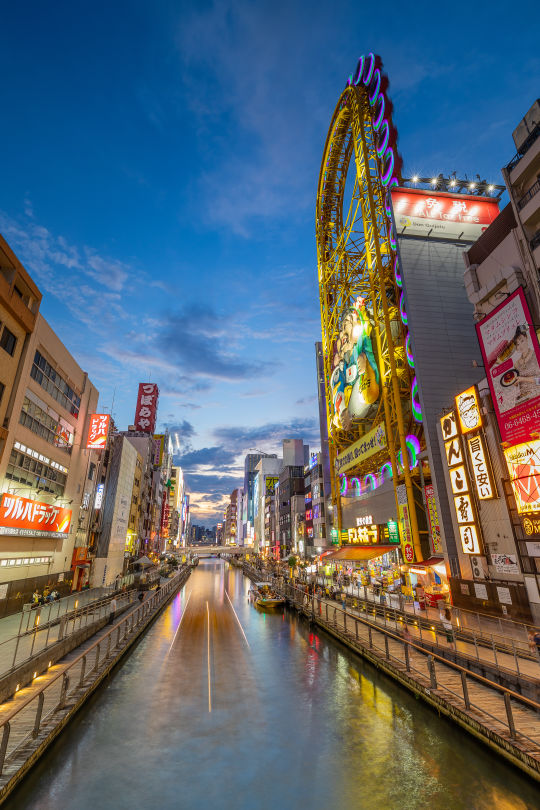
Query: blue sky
[(159, 171)]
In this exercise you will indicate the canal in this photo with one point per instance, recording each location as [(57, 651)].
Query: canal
[(222, 706)]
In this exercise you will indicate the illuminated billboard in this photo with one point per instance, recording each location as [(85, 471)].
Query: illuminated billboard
[(468, 410), (98, 431), (146, 410), (443, 215), (27, 518), (523, 463), (511, 355), (355, 378)]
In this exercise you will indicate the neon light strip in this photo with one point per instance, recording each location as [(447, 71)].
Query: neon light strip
[(370, 479), (397, 274), (367, 79), (385, 178), (344, 484), (381, 149), (408, 351), (373, 98), (402, 312), (356, 486), (385, 472), (415, 402), (377, 123)]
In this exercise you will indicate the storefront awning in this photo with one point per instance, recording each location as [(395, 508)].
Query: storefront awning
[(427, 563), (358, 553)]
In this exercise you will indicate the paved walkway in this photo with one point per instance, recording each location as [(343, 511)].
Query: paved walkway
[(487, 703), (40, 627), (521, 664)]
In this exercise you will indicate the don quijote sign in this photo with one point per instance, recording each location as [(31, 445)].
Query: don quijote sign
[(27, 518), (146, 410)]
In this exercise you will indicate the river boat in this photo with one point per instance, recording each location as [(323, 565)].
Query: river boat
[(265, 598)]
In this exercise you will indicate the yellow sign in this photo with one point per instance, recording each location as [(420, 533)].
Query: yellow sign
[(469, 539), (464, 508), (454, 453), (449, 426), (367, 446), (468, 409), (523, 463), (458, 480), (481, 471)]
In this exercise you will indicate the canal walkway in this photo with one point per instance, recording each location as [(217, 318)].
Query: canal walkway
[(36, 714), (500, 717)]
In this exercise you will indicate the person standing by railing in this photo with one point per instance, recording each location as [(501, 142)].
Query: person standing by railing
[(534, 642), (112, 610)]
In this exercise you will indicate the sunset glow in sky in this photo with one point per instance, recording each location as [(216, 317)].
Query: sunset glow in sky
[(159, 173)]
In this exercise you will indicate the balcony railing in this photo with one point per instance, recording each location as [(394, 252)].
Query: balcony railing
[(524, 148), (534, 189), (535, 241)]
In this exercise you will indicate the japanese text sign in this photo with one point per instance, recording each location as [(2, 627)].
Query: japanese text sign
[(146, 410), (442, 214), (32, 518), (97, 431), (481, 471)]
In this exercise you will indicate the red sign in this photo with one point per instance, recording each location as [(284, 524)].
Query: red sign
[(146, 410), (441, 214), (98, 431), (32, 518), (512, 360), (408, 550)]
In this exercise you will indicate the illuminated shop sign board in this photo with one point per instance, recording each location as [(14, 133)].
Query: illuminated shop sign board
[(146, 409), (468, 410), (481, 468), (523, 462), (363, 535), (433, 518), (459, 478), (27, 518), (419, 212), (98, 431), (371, 443), (159, 449), (99, 496), (511, 356), (364, 520)]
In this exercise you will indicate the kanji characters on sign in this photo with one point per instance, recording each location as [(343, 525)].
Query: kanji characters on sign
[(97, 431), (146, 410)]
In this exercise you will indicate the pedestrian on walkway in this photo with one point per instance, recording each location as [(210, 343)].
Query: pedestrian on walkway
[(446, 621), (113, 610), (35, 597), (534, 642), (140, 596)]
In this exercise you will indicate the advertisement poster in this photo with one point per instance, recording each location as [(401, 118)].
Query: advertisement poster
[(523, 463), (433, 518), (511, 355), (354, 381), (442, 215), (21, 516), (505, 563), (403, 514), (146, 410)]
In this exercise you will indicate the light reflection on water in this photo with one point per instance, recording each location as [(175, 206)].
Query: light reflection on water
[(296, 722)]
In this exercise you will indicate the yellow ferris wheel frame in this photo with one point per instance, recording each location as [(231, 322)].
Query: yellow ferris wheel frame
[(357, 256)]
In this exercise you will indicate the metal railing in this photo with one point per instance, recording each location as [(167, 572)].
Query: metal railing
[(26, 720), (416, 660), (524, 148), (43, 626), (534, 189), (535, 241)]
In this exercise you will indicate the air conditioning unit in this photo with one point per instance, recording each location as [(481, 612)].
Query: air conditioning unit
[(479, 567)]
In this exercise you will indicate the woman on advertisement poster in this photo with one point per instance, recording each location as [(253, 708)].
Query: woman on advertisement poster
[(355, 379), (511, 354)]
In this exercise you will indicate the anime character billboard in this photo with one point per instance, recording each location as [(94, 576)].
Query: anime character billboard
[(354, 381)]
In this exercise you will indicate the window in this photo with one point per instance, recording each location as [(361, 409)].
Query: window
[(43, 373), (28, 467), (8, 341), (2, 389), (46, 424)]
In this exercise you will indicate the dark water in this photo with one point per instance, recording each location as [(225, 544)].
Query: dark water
[(201, 716)]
